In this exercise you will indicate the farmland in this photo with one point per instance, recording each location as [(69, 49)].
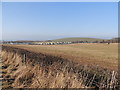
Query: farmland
[(103, 55), (77, 39), (84, 65)]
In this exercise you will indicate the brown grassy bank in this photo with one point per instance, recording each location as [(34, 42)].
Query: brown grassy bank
[(37, 70)]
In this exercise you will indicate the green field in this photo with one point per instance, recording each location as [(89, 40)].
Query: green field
[(77, 39)]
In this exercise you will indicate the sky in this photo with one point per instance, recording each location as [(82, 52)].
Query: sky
[(0, 21), (53, 20)]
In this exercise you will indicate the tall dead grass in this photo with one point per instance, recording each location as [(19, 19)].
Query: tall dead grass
[(36, 70), (34, 76)]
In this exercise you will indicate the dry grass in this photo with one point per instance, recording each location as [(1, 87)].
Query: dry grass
[(45, 71), (29, 76), (103, 55)]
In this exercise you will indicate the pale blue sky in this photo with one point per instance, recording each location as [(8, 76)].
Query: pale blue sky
[(0, 21), (50, 20)]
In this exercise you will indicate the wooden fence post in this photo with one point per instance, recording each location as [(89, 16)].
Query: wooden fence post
[(24, 58)]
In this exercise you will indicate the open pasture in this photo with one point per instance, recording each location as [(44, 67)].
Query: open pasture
[(102, 55)]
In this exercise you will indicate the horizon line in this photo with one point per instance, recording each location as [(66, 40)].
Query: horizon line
[(58, 38)]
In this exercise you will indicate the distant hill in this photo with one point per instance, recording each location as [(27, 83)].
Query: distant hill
[(77, 39), (115, 39)]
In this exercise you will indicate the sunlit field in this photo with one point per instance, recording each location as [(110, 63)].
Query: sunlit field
[(103, 55)]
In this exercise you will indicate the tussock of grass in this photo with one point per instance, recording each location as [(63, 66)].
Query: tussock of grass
[(37, 70)]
